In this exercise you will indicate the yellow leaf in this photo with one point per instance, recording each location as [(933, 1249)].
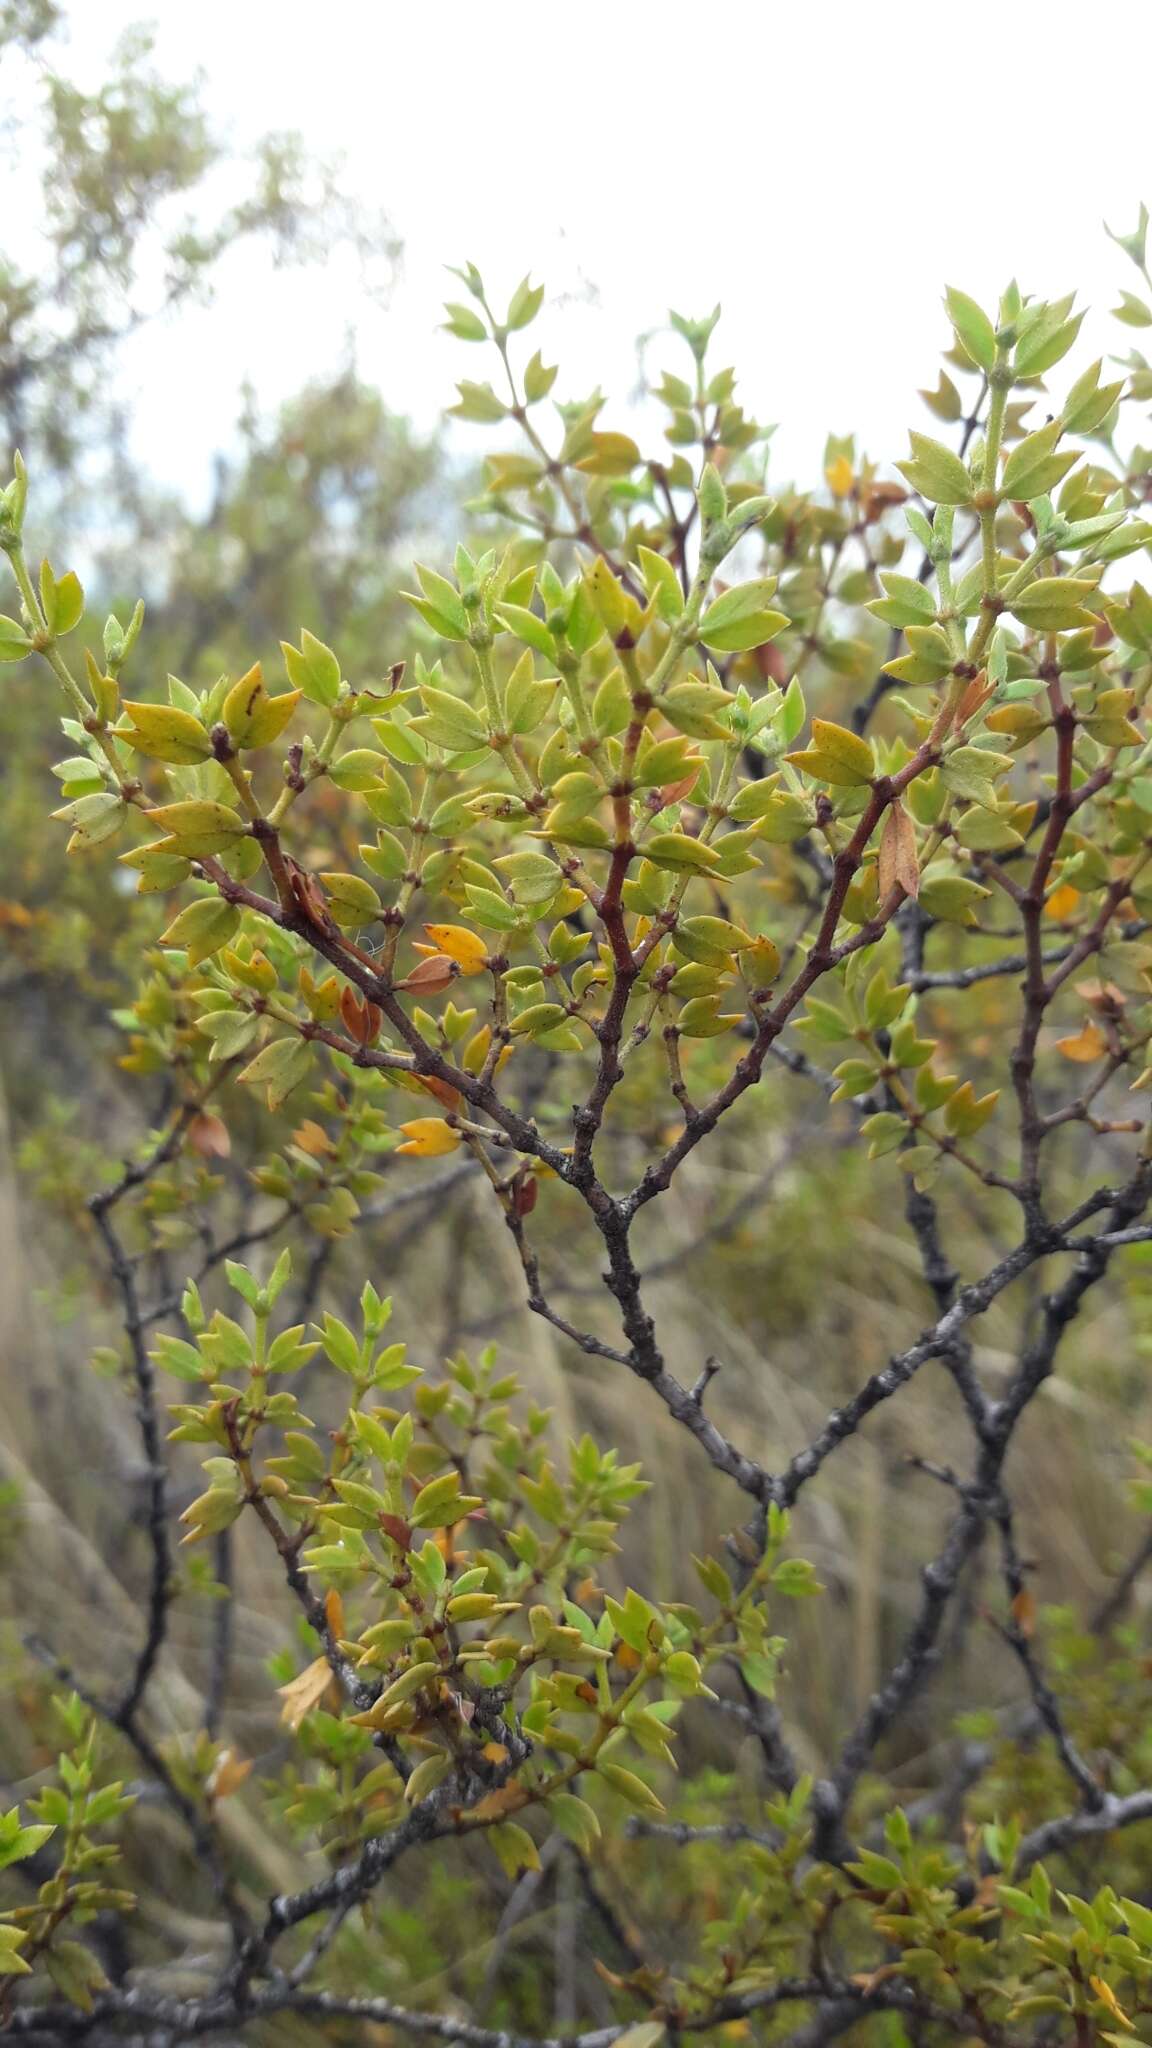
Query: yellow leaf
[(428, 1137), (1107, 1996), (1063, 902), (839, 477), (251, 716), (1085, 1046), (466, 948)]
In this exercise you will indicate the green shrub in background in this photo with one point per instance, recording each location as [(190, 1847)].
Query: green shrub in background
[(558, 897)]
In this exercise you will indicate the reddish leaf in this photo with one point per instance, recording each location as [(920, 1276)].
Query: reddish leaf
[(208, 1135)]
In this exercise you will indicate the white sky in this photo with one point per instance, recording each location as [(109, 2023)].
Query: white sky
[(823, 169)]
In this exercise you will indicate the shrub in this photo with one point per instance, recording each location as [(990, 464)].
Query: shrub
[(596, 867)]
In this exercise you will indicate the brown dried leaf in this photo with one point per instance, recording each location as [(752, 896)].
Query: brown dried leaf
[(898, 865), (305, 1691), (1024, 1611), (430, 977)]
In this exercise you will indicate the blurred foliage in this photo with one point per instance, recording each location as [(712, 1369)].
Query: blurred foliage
[(305, 514)]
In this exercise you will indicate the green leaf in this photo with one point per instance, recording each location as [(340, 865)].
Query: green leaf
[(975, 329), (75, 1972), (609, 455), (478, 402), (699, 709), (677, 850), (1133, 311), (742, 617), (836, 756), (252, 717), (662, 584), (351, 900), (203, 928), (165, 734), (936, 472), (527, 627), (1055, 604), (906, 602), (24, 1842), (950, 897), (198, 826), (576, 1821), (279, 1069), (464, 323), (539, 378), (93, 818), (312, 669), (14, 641), (65, 607), (845, 747), (1032, 469), (524, 305), (441, 1503), (630, 1787)]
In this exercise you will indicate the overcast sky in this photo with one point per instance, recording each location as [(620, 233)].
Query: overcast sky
[(823, 170)]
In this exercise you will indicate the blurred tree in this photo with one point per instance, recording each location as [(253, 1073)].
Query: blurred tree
[(305, 521), (130, 201), (125, 190)]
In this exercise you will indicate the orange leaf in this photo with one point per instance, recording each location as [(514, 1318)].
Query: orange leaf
[(977, 694), (362, 1020), (1085, 1046), (310, 1138), (673, 791), (442, 1090), (505, 1799), (228, 1774), (1063, 902), (1024, 1611)]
